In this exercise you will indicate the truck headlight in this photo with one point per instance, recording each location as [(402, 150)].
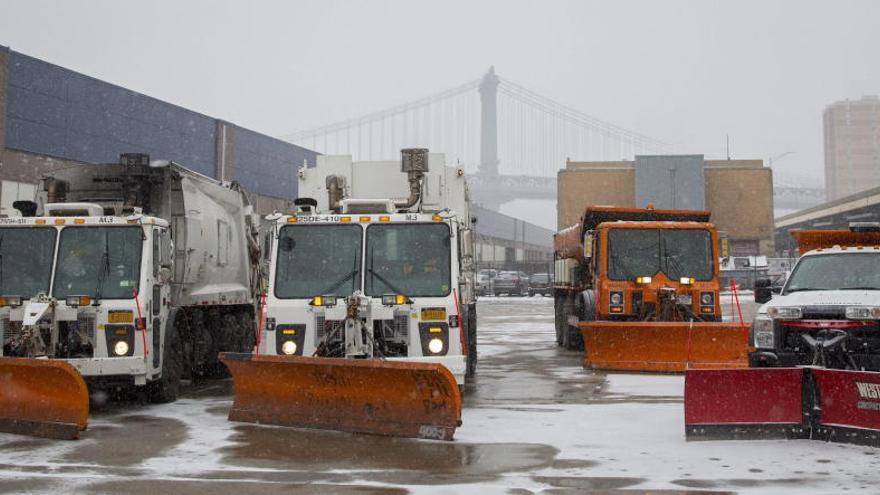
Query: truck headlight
[(785, 313), (120, 348), (616, 298), (288, 347), (707, 298), (762, 330), (435, 346), (863, 312)]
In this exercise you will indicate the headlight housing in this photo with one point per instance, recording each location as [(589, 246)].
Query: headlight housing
[(863, 312), (616, 298), (288, 347), (435, 345), (120, 348), (785, 313), (707, 298), (762, 332)]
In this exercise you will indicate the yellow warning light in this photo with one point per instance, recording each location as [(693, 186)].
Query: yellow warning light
[(291, 219), (40, 221), (79, 221), (436, 218), (364, 219), (59, 221), (643, 280), (344, 219), (384, 218)]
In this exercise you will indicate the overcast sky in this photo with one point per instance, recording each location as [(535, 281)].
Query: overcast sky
[(686, 72)]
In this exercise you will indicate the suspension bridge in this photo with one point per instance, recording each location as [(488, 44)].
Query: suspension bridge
[(510, 140)]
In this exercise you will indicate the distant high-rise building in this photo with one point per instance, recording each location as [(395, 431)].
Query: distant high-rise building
[(852, 146)]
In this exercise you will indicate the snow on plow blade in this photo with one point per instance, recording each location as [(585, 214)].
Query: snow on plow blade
[(43, 398), (394, 398), (664, 346), (818, 403)]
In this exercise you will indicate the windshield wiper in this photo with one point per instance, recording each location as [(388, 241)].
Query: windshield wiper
[(339, 282), (801, 289), (845, 288), (384, 281), (104, 268)]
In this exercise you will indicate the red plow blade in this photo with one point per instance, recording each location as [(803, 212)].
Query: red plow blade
[(818, 403)]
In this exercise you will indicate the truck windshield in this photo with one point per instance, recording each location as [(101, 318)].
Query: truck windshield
[(409, 259), (26, 260), (849, 271), (318, 260), (101, 262), (644, 252)]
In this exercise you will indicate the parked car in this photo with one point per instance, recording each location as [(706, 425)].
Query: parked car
[(541, 283), (486, 282), (512, 283)]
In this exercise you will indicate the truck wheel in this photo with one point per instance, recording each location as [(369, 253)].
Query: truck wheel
[(166, 387), (571, 335), (471, 368), (557, 309)]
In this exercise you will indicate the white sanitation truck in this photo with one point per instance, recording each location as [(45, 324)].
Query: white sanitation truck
[(388, 241), (369, 322), (134, 274)]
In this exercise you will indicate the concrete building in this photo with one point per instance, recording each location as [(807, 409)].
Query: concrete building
[(508, 243), (852, 146), (739, 193)]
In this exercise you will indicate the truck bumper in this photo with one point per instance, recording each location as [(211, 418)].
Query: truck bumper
[(122, 369), (787, 359), (455, 364)]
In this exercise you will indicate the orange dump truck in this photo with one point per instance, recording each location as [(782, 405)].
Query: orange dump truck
[(637, 289)]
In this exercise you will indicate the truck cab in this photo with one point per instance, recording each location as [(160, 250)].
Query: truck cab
[(85, 287), (354, 277), (828, 311)]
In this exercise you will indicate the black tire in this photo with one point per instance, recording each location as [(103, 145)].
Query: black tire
[(557, 309), (166, 388), (571, 335), (471, 367), (531, 294)]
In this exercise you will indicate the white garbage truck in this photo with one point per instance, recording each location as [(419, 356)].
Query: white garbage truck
[(390, 242), (135, 274)]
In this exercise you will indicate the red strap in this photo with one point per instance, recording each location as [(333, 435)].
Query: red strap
[(137, 304), (464, 345)]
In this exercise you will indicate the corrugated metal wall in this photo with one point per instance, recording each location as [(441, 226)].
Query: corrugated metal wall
[(673, 181), (63, 114), (267, 165)]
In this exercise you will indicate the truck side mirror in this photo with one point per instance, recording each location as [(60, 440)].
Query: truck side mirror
[(763, 290)]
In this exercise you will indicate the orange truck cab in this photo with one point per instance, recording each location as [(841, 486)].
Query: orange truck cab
[(642, 284)]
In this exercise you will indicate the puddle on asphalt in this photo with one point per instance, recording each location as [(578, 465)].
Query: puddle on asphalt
[(739, 482), (26, 444), (191, 487), (403, 460), (131, 440), (588, 483)]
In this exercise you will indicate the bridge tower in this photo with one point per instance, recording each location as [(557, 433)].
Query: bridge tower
[(489, 124)]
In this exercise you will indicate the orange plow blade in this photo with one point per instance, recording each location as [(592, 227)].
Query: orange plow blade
[(43, 398), (394, 398), (664, 346)]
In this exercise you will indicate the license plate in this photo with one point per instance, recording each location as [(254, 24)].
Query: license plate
[(119, 317), (433, 313)]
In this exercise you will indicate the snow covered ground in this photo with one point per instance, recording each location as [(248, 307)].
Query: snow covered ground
[(535, 421)]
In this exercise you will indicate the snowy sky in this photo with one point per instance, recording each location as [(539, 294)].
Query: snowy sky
[(686, 72)]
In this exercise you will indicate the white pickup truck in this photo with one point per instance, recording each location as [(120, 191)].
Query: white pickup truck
[(828, 311)]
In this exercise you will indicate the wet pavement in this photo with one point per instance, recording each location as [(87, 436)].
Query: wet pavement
[(534, 421)]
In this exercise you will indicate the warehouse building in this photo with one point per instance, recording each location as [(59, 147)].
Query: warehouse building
[(739, 193)]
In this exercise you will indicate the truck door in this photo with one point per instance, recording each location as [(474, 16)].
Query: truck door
[(160, 291)]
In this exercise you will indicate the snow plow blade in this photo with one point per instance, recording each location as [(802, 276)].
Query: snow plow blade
[(664, 346), (751, 403), (42, 398), (394, 398)]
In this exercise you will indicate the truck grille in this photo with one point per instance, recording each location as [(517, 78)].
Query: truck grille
[(401, 324), (87, 327), (862, 339), (327, 327)]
